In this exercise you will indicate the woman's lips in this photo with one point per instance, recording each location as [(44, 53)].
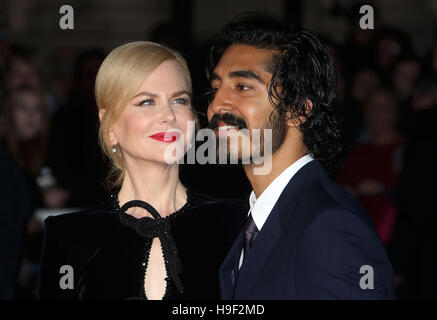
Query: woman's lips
[(166, 136)]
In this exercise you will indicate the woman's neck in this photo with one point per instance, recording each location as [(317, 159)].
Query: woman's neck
[(155, 183)]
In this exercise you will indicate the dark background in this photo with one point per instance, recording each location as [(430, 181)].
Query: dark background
[(387, 89)]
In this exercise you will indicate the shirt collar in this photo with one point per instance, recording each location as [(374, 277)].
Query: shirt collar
[(261, 207)]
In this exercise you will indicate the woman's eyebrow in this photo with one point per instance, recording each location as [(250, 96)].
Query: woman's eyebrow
[(144, 93), (178, 93), (154, 95)]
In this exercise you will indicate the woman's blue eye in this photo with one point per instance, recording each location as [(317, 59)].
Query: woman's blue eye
[(147, 102), (183, 101)]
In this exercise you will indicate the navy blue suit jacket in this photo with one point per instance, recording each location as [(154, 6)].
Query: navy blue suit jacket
[(313, 245)]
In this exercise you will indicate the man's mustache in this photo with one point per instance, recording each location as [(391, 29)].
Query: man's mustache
[(228, 118)]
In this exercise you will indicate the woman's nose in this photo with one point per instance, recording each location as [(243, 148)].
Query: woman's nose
[(168, 114)]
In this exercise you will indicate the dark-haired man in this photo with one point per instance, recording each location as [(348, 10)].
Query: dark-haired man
[(305, 237)]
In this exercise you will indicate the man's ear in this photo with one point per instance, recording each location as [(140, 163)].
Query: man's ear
[(293, 121)]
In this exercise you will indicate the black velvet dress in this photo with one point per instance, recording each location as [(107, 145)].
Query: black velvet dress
[(108, 249)]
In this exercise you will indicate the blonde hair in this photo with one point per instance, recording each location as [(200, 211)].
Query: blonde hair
[(118, 79)]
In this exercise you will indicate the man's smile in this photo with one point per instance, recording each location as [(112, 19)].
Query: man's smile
[(225, 129)]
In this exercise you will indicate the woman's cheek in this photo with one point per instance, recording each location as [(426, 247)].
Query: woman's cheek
[(136, 123)]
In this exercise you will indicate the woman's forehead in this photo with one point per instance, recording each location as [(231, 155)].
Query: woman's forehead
[(167, 77)]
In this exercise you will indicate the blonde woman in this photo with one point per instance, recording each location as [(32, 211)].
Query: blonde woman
[(155, 239)]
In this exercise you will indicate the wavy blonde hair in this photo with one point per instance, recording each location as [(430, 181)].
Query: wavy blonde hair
[(118, 79)]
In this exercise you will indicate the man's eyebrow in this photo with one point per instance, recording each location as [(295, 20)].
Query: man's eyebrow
[(245, 74), (214, 76)]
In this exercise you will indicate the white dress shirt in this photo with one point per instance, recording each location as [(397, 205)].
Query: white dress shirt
[(261, 207)]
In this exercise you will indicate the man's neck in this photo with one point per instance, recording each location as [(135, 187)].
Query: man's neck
[(280, 160)]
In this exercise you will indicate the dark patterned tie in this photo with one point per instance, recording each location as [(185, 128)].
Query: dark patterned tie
[(250, 233)]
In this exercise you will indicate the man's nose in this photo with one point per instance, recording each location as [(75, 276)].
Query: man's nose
[(222, 103)]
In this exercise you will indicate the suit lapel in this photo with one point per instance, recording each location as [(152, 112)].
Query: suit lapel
[(258, 255), (271, 231), (228, 272)]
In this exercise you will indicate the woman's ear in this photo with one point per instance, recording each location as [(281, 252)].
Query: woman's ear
[(101, 113), (293, 121), (112, 139)]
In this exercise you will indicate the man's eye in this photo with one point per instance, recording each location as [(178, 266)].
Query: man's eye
[(210, 94), (183, 101), (146, 102), (243, 87)]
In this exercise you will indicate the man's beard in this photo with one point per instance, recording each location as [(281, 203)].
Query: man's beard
[(279, 130), (275, 122)]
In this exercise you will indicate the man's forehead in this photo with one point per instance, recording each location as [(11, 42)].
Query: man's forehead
[(244, 57)]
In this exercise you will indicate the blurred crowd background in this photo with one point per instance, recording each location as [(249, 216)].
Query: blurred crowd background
[(50, 160)]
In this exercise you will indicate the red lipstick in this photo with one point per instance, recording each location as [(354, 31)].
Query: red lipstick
[(166, 136)]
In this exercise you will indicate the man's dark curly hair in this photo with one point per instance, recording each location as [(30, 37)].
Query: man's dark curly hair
[(301, 69)]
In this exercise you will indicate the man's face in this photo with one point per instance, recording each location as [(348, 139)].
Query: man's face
[(240, 81)]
